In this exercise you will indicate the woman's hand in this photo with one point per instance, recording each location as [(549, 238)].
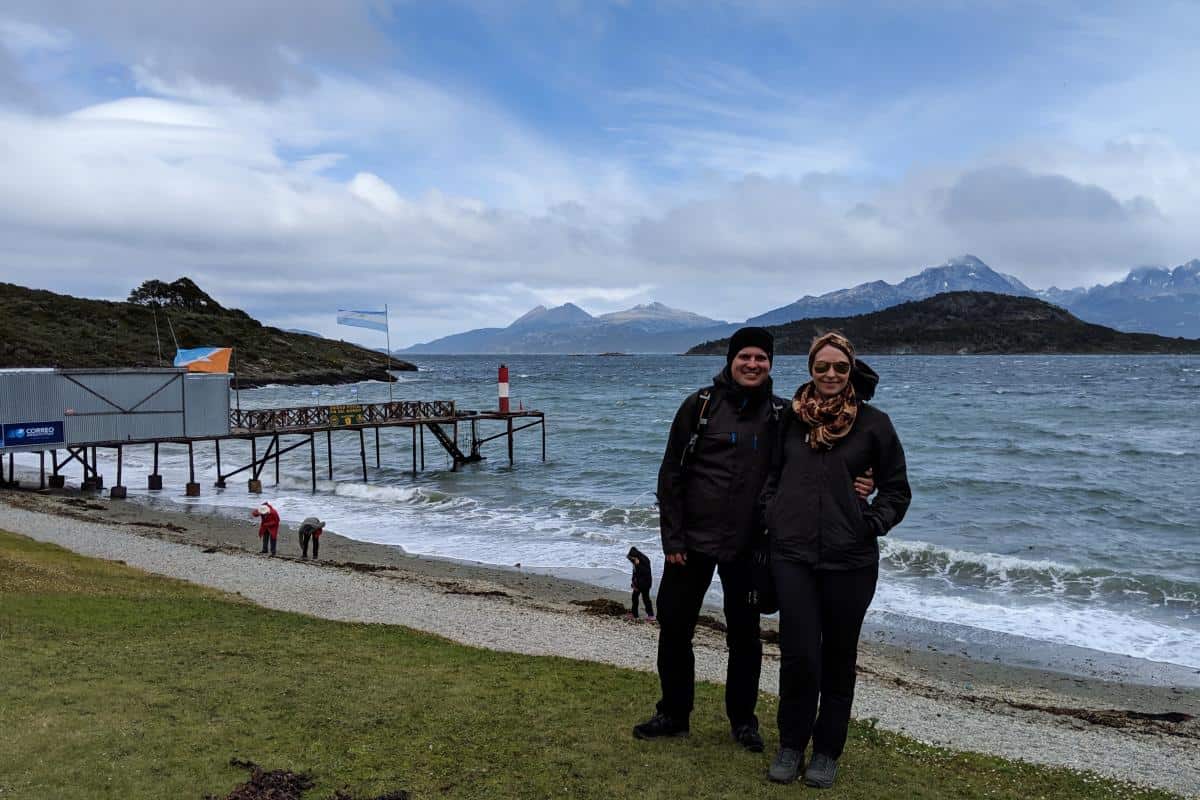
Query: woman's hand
[(677, 558)]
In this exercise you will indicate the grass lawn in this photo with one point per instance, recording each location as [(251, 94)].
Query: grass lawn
[(117, 684)]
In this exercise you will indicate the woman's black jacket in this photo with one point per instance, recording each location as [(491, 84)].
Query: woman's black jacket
[(808, 505)]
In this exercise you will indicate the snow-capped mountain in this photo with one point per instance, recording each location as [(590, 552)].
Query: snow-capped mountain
[(653, 327), (965, 273), (655, 317), (1149, 299), (541, 318)]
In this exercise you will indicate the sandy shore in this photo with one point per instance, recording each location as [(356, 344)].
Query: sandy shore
[(921, 689)]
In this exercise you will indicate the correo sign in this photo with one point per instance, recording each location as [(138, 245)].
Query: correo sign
[(27, 434)]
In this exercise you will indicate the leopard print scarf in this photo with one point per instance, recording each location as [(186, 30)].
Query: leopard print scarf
[(828, 419)]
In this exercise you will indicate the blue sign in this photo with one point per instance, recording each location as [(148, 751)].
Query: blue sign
[(29, 434)]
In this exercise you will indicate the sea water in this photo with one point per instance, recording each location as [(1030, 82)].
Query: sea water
[(1054, 497)]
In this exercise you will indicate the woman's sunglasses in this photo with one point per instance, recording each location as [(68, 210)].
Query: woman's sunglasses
[(840, 367)]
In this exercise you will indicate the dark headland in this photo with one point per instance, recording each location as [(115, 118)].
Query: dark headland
[(43, 329), (968, 323)]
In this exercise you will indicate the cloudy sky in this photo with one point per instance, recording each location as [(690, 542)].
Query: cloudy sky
[(464, 161)]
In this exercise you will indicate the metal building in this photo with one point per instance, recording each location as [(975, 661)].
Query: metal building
[(41, 409)]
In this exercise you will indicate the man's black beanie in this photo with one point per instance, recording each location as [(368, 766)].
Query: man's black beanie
[(751, 337)]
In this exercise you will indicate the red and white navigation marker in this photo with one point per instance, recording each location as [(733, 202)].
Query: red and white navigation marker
[(503, 381)]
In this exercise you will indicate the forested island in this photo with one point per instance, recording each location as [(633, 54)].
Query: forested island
[(967, 323)]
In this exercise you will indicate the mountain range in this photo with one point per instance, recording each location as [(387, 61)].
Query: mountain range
[(1149, 300), (963, 274), (570, 329)]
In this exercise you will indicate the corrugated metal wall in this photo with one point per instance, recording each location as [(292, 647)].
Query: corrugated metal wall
[(116, 405), (206, 405), (111, 405), (25, 396)]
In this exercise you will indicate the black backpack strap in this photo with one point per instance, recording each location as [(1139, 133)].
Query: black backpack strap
[(701, 423)]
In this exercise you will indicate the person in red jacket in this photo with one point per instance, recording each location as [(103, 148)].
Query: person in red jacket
[(268, 525)]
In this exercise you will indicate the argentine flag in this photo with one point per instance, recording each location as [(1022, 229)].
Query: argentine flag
[(375, 320), (204, 359)]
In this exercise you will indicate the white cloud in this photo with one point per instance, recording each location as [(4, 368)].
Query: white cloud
[(23, 38), (260, 49), (97, 200), (289, 189)]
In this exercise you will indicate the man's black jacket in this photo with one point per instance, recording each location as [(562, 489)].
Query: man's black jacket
[(707, 501)]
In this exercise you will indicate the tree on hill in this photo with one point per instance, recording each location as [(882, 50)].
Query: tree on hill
[(182, 294)]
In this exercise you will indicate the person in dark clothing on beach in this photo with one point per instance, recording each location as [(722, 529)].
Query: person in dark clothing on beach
[(643, 580), (824, 553), (717, 458), (311, 529)]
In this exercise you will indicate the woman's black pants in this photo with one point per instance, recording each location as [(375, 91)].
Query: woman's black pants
[(820, 617), (680, 597), (645, 595)]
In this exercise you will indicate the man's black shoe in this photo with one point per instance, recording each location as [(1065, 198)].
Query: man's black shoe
[(660, 726), (748, 737)]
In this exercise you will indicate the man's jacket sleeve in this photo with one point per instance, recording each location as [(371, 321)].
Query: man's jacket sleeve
[(671, 479), (774, 471)]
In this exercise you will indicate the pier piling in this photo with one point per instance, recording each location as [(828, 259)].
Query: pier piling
[(362, 452), (154, 480), (118, 491), (220, 484)]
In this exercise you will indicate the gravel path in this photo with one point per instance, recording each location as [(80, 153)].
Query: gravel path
[(524, 626)]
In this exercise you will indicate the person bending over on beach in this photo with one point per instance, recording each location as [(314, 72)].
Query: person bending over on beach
[(268, 525), (824, 553), (643, 579), (716, 461), (311, 528)]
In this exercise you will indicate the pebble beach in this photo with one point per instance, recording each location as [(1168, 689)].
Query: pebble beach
[(939, 697)]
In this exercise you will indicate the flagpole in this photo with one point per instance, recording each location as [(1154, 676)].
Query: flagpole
[(157, 340), (388, 327)]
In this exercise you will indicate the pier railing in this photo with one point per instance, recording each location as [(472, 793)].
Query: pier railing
[(306, 417)]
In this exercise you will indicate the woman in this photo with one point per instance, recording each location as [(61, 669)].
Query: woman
[(824, 555)]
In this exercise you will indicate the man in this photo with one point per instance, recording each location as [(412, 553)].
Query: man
[(717, 458)]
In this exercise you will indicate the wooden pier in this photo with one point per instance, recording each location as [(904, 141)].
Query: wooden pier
[(288, 429)]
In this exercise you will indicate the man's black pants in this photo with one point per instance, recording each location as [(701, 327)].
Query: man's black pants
[(820, 617), (680, 597)]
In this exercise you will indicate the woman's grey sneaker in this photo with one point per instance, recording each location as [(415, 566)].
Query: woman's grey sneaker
[(660, 726), (748, 737), (786, 766), (821, 771)]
